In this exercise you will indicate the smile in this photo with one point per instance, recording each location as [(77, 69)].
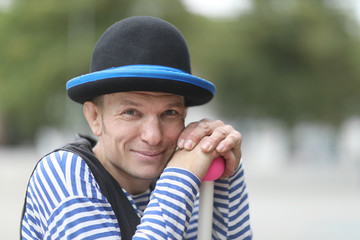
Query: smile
[(149, 154)]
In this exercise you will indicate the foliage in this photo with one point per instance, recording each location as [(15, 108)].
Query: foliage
[(46, 43), (294, 63), (290, 60)]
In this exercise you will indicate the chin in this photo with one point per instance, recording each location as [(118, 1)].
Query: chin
[(150, 174)]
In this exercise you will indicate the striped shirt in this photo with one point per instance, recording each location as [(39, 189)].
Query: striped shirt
[(64, 201)]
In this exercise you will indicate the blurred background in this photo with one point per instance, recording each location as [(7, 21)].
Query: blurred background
[(287, 75)]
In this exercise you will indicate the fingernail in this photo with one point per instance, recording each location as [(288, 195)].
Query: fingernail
[(181, 143), (188, 144), (220, 147), (207, 146)]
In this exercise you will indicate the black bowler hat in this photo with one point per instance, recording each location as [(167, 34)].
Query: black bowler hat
[(141, 54)]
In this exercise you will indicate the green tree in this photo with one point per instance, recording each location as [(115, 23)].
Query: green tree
[(46, 43), (291, 62), (33, 56)]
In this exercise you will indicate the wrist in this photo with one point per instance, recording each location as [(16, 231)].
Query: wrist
[(195, 161)]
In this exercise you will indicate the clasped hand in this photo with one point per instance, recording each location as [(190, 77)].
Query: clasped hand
[(200, 142)]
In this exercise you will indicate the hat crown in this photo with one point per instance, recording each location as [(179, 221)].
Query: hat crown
[(141, 40)]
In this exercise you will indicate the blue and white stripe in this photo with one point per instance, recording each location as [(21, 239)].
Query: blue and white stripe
[(65, 201)]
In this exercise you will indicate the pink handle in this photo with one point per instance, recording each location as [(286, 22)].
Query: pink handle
[(216, 169)]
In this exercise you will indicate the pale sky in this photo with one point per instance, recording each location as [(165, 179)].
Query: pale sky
[(232, 8), (218, 8)]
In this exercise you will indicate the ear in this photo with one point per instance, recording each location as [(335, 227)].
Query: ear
[(93, 116)]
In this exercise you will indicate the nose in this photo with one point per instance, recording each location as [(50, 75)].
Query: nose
[(151, 131)]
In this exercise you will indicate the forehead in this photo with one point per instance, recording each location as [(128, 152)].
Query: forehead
[(144, 97)]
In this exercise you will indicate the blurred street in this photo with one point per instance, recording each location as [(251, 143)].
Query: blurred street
[(305, 203)]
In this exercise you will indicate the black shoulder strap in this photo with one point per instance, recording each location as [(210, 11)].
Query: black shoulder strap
[(124, 211)]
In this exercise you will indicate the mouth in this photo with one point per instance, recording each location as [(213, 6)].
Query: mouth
[(149, 155)]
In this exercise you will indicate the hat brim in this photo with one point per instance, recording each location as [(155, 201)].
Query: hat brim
[(196, 91)]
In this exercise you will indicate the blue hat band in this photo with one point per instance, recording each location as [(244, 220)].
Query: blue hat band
[(142, 71)]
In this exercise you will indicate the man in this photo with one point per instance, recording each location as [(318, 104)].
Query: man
[(141, 178)]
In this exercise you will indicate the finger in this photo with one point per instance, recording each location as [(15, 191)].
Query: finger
[(232, 141), (194, 132), (230, 163), (217, 135), (195, 161), (223, 139)]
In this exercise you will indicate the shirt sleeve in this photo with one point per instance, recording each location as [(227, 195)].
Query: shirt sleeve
[(172, 212), (64, 199), (168, 213), (231, 215)]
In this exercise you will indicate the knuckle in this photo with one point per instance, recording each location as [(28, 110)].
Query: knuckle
[(205, 120), (219, 123), (205, 125), (229, 128), (225, 130), (238, 136), (192, 125), (222, 131), (234, 139)]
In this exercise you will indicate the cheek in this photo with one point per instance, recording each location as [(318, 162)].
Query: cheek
[(173, 132), (124, 134), (120, 133)]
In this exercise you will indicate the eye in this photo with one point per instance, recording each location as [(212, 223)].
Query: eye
[(170, 112), (131, 112)]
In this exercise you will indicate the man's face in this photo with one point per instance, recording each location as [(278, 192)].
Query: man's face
[(139, 132)]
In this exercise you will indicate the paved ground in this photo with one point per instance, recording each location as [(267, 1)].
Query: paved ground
[(292, 203), (306, 203)]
